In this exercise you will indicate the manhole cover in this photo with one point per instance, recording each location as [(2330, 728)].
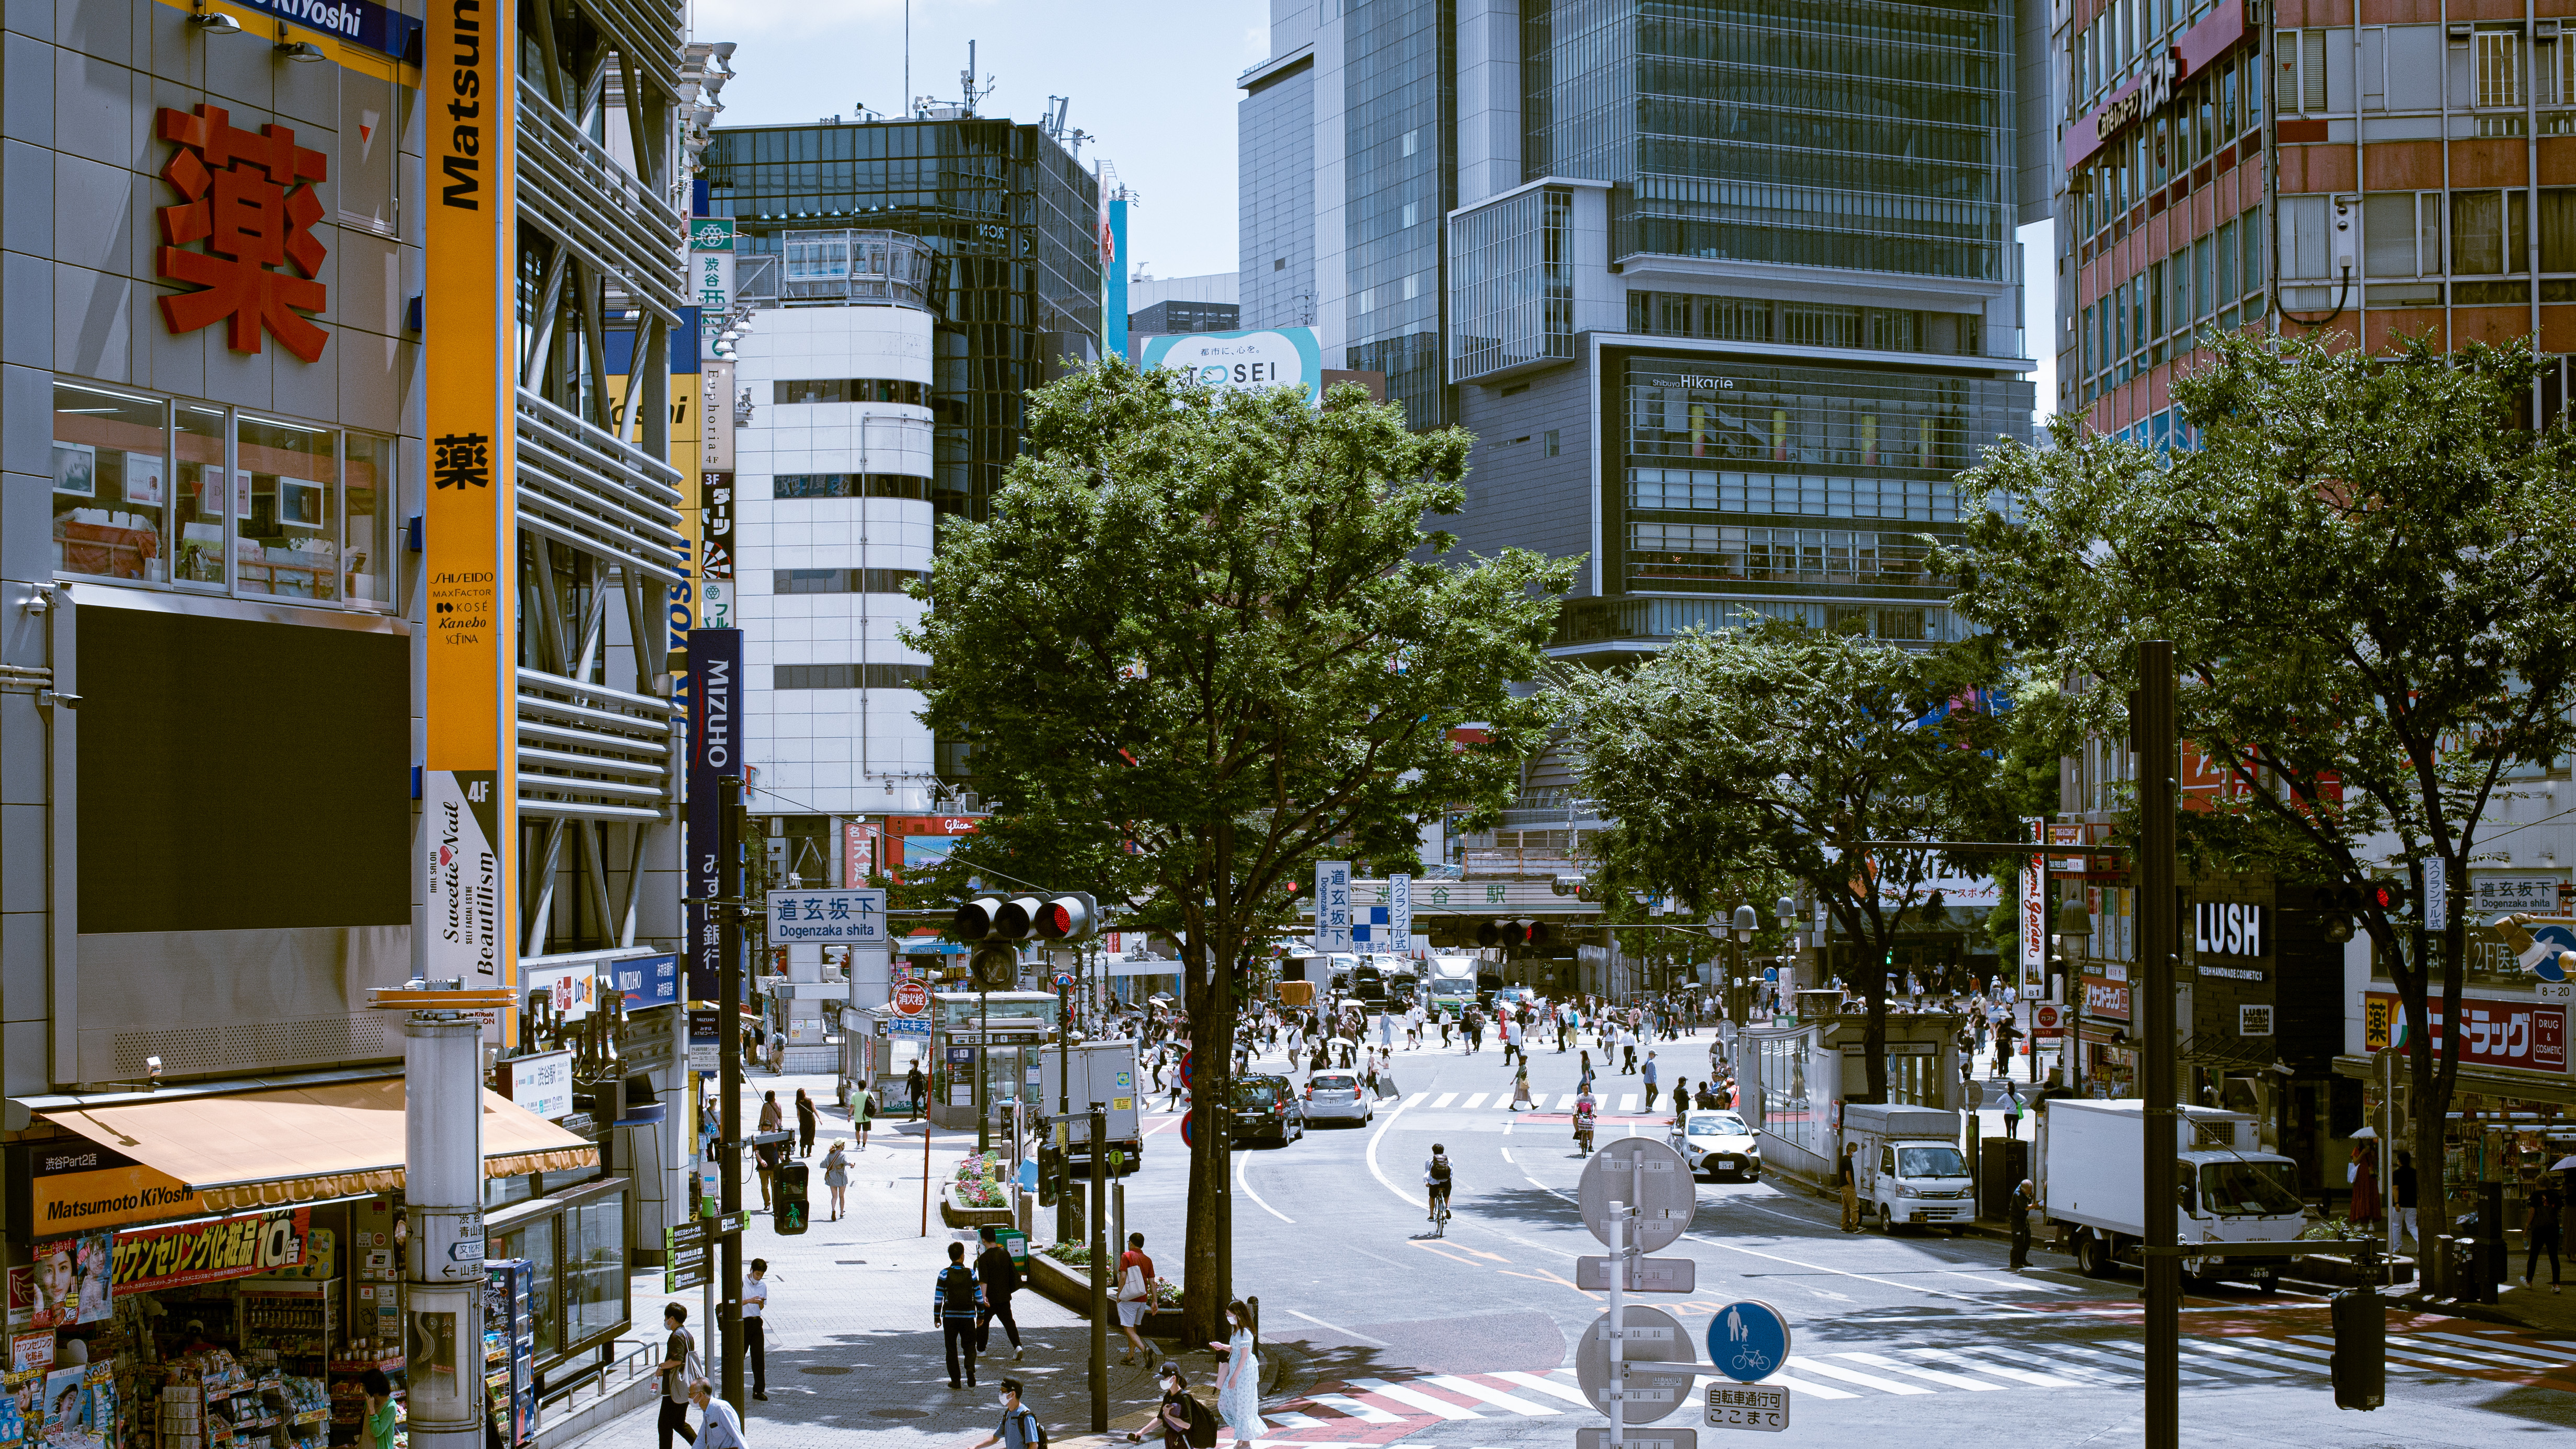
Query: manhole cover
[(900, 1413), (825, 1368)]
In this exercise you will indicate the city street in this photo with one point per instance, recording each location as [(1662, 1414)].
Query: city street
[(1465, 1342)]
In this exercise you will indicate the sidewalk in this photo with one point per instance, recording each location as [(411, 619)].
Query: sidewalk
[(854, 1359)]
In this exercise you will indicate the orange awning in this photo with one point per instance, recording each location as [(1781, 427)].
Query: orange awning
[(304, 1144)]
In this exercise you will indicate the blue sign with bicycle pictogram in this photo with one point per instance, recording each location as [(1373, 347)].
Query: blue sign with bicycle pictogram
[(1748, 1341)]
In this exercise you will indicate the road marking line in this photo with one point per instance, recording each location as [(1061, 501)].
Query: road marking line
[(2230, 1350), (1380, 1136), (1628, 1103), (2000, 1371), (1566, 1102), (2392, 1351), (2213, 1360), (1987, 1304), (1544, 1386), (1357, 1410), (1507, 1156), (2082, 1375), (1243, 1180), (1804, 1387), (1471, 1102), (1415, 1397), (1344, 1332), (1956, 1381), (1445, 1099), (2015, 1286), (2482, 1349), (1474, 1390), (1290, 1419), (1853, 1376)]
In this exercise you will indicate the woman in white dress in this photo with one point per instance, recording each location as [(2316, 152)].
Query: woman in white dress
[(1238, 1379)]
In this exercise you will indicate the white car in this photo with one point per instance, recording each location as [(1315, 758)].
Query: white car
[(1718, 1142), (1338, 1097)]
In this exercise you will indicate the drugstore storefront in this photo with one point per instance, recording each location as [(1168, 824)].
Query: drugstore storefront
[(201, 1269)]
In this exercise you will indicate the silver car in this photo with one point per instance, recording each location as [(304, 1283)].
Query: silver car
[(1338, 1097), (1714, 1142)]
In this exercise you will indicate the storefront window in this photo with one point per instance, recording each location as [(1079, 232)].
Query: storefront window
[(111, 472), (200, 503), (594, 1268), (288, 543), (536, 1243), (366, 550)]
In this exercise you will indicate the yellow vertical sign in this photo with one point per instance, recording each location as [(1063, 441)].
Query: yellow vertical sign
[(469, 786)]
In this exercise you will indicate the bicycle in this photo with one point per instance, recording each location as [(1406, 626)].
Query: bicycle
[(1753, 1360), (1440, 1218)]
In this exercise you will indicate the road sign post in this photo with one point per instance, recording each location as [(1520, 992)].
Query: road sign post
[(1748, 1342), (1636, 1196)]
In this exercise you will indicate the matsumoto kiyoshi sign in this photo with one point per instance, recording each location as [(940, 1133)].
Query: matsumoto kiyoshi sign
[(1224, 360), (361, 22)]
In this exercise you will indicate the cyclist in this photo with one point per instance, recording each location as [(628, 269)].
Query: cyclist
[(1435, 1181), (1583, 1121)]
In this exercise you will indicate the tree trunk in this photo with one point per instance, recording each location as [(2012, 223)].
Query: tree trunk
[(1873, 1033), (1208, 1281)]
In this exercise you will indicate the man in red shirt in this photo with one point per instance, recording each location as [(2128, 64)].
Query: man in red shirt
[(1136, 1284)]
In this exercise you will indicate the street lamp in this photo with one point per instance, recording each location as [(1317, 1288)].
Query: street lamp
[(2074, 926)]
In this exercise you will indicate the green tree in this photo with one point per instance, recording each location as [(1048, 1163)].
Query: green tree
[(2364, 572), (1785, 747), (1213, 620)]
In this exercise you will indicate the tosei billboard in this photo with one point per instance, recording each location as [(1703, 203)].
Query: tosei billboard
[(1224, 360)]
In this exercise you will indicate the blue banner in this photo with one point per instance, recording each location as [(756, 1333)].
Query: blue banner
[(360, 22), (715, 751)]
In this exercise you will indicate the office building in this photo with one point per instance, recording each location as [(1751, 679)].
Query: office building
[(2420, 190), (1171, 316), (1727, 292), (228, 704), (1010, 220)]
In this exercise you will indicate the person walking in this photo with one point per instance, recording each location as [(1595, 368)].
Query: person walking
[(836, 1176), (1019, 1428), (2012, 1110), (2401, 1190), (2024, 1198), (1628, 1046), (1650, 1081), (1851, 1192), (2540, 1231), (680, 1367), (863, 1113), (1135, 1294), (954, 1304), (723, 1427), (1444, 1026), (755, 1342), (1001, 1278), (1174, 1413), (916, 1087), (1238, 1377), (1521, 1089), (807, 1118)]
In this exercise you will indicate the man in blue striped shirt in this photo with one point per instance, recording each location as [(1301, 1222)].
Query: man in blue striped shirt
[(954, 1301)]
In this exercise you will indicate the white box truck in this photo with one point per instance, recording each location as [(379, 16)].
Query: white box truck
[(1908, 1171), (1103, 1072), (2092, 1182)]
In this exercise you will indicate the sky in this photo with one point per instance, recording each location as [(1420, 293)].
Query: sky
[(1151, 80)]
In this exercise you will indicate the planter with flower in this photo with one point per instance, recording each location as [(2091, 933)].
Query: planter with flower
[(977, 1195)]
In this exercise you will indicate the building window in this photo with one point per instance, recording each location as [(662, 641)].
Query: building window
[(848, 676), (1547, 443), (111, 483), (1511, 283), (2489, 233), (848, 485), (2498, 68), (594, 1269), (854, 389), (842, 581), (287, 543)]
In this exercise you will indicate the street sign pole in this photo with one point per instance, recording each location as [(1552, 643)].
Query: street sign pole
[(729, 1066), (1100, 1270), (1618, 1321), (2152, 726)]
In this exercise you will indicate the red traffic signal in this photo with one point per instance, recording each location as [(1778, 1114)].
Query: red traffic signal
[(1070, 916), (1512, 933)]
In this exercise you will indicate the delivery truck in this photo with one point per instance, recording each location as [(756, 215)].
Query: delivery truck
[(1103, 1072), (1908, 1171), (2092, 1182)]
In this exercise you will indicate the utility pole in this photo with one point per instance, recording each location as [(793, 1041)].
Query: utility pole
[(1100, 1269), (2151, 725), (728, 914)]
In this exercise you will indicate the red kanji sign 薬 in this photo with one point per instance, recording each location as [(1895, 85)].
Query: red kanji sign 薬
[(249, 198)]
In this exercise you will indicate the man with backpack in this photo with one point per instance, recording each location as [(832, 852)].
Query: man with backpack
[(954, 1303), (1019, 1428), (1001, 1278), (1435, 1181), (1184, 1421)]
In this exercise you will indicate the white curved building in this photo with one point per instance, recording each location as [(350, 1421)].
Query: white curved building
[(833, 519)]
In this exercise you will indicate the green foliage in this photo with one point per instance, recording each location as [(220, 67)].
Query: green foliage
[(1212, 622), (1779, 749)]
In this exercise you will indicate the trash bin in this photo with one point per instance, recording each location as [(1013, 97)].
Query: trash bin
[(2002, 1164)]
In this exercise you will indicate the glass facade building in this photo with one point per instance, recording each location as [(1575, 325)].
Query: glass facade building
[(1514, 283), (1399, 111), (1010, 220)]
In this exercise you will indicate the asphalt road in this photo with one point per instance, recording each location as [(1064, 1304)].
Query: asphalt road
[(1464, 1342)]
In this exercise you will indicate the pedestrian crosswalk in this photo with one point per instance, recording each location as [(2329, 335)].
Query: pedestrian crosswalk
[(1360, 1413)]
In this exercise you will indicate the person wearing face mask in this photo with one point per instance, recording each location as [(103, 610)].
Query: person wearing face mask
[(1019, 1427), (1238, 1378), (1172, 1415)]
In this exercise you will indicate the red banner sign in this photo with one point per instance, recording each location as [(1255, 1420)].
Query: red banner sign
[(2494, 1032), (148, 1259)]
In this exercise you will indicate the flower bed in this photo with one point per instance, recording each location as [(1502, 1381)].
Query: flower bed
[(1062, 1271)]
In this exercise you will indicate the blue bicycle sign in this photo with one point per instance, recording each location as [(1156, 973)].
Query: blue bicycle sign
[(1748, 1341)]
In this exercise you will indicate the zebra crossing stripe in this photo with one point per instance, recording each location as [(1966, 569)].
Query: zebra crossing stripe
[(2128, 1371), (1290, 1419), (2001, 1371), (1416, 1398), (1956, 1381), (1566, 1102), (1851, 1376), (1802, 1386), (2081, 1375), (1357, 1410), (1445, 1099), (1628, 1103), (1474, 1390), (1545, 1385), (2213, 1360), (2485, 1349), (2395, 1351), (1473, 1101), (2230, 1350)]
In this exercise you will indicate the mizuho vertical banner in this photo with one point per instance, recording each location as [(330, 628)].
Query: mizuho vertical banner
[(469, 785), (715, 751)]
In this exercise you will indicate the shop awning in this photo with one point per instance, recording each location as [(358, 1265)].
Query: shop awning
[(304, 1144)]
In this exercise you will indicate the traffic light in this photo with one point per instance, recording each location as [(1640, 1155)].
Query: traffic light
[(1489, 933), (2360, 1362), (1058, 916), (1050, 1173), (993, 967), (1512, 933), (2338, 902), (787, 1197)]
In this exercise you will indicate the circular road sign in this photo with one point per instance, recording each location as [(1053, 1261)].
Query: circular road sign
[(1647, 1175), (1748, 1341), (1189, 1129), (1651, 1336), (1771, 975), (1189, 1063), (911, 998), (1064, 978)]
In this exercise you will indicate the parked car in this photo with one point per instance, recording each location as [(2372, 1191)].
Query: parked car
[(1338, 1097), (1716, 1142), (1266, 1107)]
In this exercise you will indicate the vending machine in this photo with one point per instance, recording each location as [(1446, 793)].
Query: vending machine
[(510, 1349)]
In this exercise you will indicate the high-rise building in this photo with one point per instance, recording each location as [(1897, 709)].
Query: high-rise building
[(2414, 185), (1009, 217), (1727, 290)]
